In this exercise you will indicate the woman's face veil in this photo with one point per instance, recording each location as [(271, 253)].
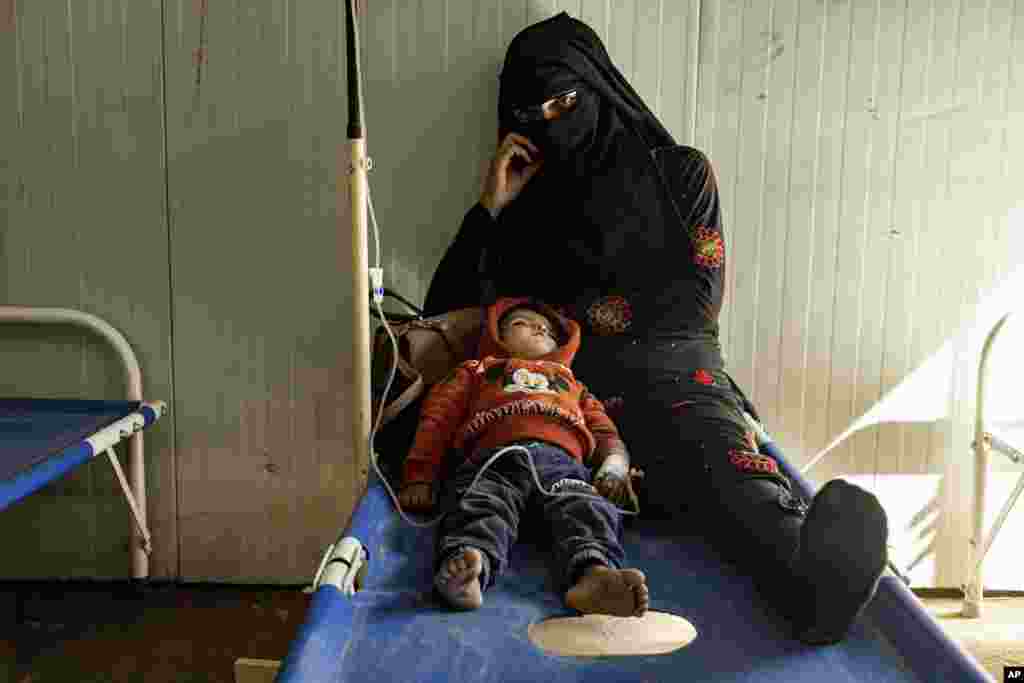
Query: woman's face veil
[(598, 202), (560, 54)]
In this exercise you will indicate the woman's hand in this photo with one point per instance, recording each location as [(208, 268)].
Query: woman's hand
[(417, 497), (515, 162)]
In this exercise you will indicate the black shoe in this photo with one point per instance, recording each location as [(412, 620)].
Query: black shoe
[(842, 557)]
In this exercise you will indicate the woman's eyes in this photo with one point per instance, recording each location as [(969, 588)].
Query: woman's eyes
[(564, 103)]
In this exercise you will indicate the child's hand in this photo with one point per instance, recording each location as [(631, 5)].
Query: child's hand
[(614, 486), (417, 497)]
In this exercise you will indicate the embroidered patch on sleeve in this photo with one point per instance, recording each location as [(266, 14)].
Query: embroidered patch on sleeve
[(703, 377), (708, 248), (746, 461), (610, 315)]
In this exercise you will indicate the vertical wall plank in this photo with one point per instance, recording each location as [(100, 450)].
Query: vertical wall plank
[(621, 39), (717, 82), (595, 13), (835, 69), (808, 47), (747, 211), (921, 185), (512, 18), (933, 284), (971, 148), (902, 311), (881, 114), (779, 39), (998, 87), (648, 30), (851, 249), (1013, 145), (675, 66)]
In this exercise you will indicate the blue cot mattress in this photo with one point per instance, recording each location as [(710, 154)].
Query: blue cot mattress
[(42, 439), (394, 628)]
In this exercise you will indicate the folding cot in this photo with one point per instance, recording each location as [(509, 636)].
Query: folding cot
[(43, 439)]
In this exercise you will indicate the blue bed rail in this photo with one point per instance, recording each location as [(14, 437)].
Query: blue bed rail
[(43, 439)]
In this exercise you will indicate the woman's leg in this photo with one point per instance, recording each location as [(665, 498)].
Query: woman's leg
[(751, 516), (817, 565)]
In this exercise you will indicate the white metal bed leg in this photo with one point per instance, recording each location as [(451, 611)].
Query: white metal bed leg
[(138, 513), (974, 591), (141, 543), (133, 382)]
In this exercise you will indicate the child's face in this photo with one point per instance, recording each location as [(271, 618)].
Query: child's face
[(528, 334)]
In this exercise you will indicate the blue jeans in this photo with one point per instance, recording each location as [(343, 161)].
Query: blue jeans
[(585, 531)]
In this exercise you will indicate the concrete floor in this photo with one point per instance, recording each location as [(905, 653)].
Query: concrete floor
[(125, 633), (99, 633), (996, 639)]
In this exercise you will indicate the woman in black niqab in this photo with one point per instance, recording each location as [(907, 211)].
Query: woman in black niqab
[(621, 228), (620, 225)]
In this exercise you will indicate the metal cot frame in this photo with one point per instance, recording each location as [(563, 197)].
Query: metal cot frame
[(134, 485)]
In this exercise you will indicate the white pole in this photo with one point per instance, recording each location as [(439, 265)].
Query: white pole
[(357, 171), (974, 594), (360, 395)]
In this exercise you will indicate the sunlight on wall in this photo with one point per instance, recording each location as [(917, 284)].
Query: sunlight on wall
[(915, 503), (925, 394), (912, 503)]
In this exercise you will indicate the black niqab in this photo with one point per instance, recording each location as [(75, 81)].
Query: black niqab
[(598, 215), (613, 214)]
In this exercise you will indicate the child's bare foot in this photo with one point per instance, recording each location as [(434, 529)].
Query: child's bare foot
[(603, 590), (458, 580)]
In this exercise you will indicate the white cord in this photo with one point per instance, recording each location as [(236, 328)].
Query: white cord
[(378, 296)]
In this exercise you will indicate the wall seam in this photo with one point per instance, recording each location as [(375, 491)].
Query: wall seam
[(170, 282)]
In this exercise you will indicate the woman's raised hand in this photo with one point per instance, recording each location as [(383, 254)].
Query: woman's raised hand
[(515, 162)]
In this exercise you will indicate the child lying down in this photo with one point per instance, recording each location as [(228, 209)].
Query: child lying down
[(522, 393)]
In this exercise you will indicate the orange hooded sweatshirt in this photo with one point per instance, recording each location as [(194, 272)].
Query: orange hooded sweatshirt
[(499, 399)]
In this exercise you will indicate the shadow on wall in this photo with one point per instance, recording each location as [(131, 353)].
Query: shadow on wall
[(914, 504), (918, 529), (926, 395)]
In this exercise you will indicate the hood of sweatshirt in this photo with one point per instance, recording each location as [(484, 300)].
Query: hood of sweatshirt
[(566, 330)]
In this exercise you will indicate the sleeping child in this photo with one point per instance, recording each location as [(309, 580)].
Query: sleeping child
[(522, 392)]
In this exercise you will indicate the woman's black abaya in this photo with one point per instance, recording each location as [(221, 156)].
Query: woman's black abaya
[(622, 229)]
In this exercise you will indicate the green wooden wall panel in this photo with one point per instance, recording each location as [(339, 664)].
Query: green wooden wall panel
[(82, 225)]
